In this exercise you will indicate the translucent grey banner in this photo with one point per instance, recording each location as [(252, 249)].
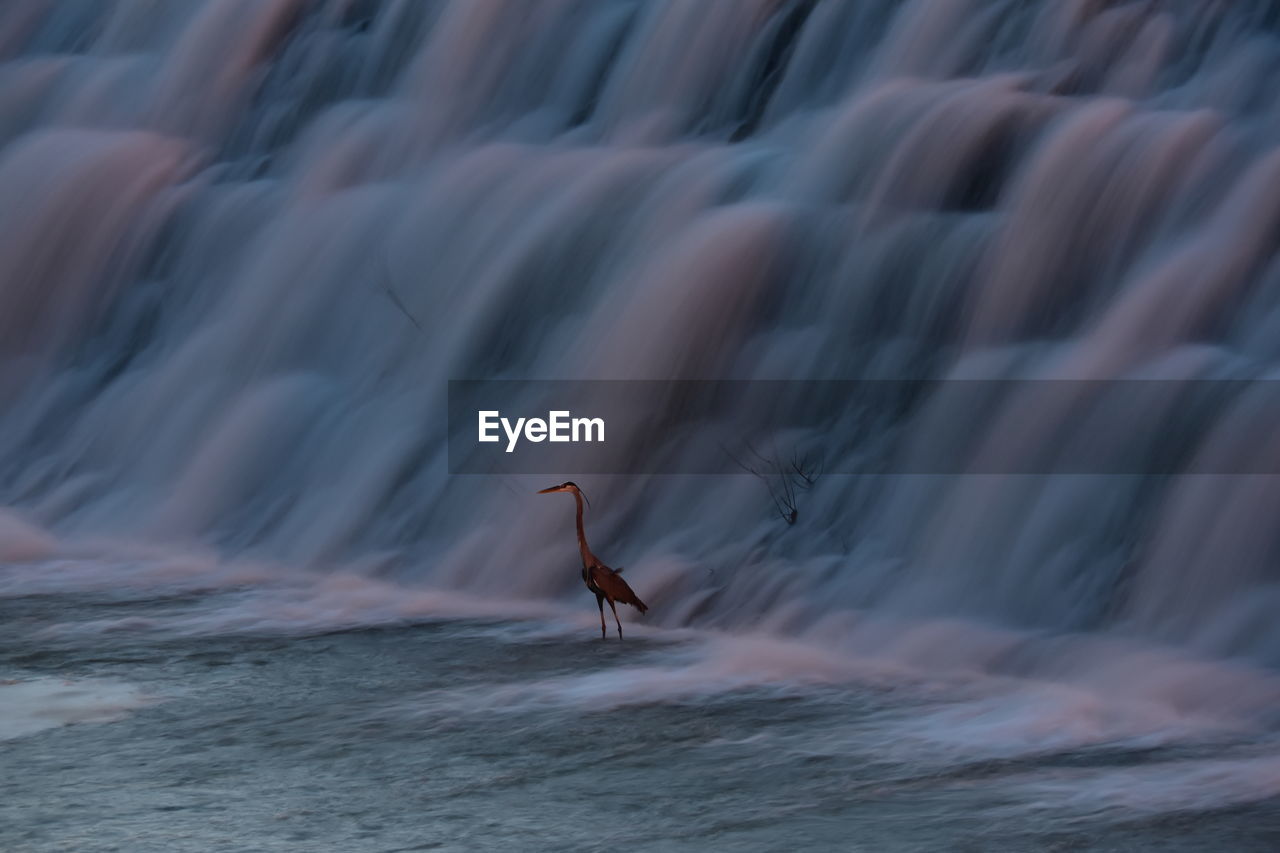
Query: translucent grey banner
[(562, 428)]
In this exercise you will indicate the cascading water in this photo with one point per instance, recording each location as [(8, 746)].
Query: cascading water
[(209, 212)]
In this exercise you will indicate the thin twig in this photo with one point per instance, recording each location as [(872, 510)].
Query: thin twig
[(395, 297)]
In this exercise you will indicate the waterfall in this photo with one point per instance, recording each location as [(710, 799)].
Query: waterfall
[(204, 207)]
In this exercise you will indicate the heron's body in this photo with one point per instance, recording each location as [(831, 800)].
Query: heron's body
[(599, 578)]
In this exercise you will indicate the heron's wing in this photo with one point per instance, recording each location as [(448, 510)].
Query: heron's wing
[(607, 580)]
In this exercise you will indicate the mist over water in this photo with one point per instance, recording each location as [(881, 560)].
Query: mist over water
[(209, 211)]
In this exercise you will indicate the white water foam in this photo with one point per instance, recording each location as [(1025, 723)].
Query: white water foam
[(1150, 789), (31, 705)]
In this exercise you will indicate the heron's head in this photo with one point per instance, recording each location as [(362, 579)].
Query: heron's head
[(564, 487)]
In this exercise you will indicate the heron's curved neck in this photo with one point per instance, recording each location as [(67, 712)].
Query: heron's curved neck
[(587, 557)]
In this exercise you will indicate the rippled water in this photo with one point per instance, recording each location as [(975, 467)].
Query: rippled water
[(184, 715)]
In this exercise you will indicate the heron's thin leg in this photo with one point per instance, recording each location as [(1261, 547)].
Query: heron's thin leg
[(615, 617), (604, 633)]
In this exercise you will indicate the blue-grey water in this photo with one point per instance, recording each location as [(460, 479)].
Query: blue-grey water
[(244, 245), (169, 721)]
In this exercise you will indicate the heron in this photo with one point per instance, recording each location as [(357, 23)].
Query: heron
[(605, 582)]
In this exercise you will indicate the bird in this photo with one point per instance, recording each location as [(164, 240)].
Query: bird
[(605, 582)]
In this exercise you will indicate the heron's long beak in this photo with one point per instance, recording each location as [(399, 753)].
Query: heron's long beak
[(550, 490)]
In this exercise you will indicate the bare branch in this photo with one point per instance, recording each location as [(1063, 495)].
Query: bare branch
[(783, 481)]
